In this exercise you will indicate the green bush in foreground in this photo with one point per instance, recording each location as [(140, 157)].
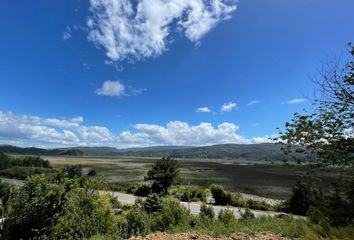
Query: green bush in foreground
[(31, 210), (172, 214), (227, 217), (206, 212), (84, 215)]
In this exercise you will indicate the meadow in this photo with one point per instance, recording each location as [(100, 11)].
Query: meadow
[(259, 178)]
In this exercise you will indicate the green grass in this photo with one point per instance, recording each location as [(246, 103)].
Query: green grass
[(260, 178)]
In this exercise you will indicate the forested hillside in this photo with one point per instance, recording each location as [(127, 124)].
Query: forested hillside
[(264, 151)]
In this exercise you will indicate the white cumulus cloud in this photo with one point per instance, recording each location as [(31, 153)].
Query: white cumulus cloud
[(141, 29), (27, 130), (203, 110), (227, 107), (117, 89), (111, 88)]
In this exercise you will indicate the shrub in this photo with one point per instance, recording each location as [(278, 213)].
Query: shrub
[(122, 187), (190, 193), (138, 222), (91, 173), (84, 215), (72, 171), (227, 217), (247, 214), (237, 200), (304, 196), (221, 197), (142, 191), (172, 214), (31, 210), (260, 205), (115, 202), (206, 212), (152, 204), (4, 192)]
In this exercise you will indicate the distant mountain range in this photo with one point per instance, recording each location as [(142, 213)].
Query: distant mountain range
[(263, 151)]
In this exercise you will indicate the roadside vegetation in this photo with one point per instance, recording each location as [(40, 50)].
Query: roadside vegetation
[(65, 204)]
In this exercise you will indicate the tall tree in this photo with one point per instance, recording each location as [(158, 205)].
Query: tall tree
[(326, 136), (163, 174)]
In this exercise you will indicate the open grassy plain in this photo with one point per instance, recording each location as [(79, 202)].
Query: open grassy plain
[(259, 178)]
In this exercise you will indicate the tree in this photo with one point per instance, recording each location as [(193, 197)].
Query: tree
[(326, 136), (305, 195), (163, 174)]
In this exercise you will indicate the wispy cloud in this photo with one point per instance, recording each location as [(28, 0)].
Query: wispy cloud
[(252, 103), (67, 33), (203, 110), (297, 101), (138, 29), (117, 89), (227, 107)]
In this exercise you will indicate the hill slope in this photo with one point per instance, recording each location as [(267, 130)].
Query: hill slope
[(264, 151)]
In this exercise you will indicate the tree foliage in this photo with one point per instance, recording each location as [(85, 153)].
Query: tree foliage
[(31, 210), (326, 136), (84, 215), (163, 174)]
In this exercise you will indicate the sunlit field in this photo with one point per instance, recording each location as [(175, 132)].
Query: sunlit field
[(260, 178)]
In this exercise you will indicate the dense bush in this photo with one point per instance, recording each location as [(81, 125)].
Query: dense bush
[(152, 204), (260, 205), (190, 193), (336, 207), (31, 210), (142, 190), (206, 212), (138, 222), (71, 171), (221, 197), (206, 215), (91, 173), (172, 214), (84, 215), (123, 187), (304, 195), (227, 217)]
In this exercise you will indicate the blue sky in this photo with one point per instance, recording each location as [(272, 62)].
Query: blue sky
[(106, 73)]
